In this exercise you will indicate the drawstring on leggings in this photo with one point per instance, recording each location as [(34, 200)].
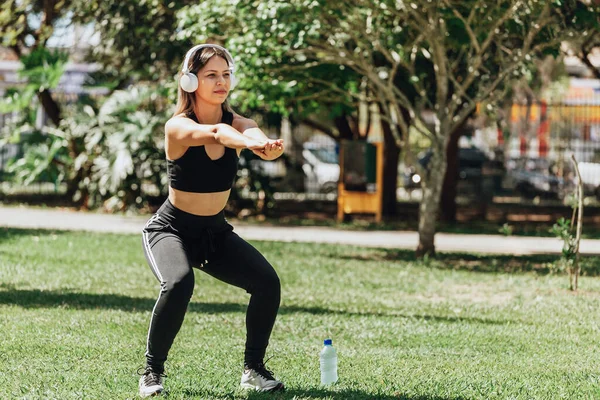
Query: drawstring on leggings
[(207, 245)]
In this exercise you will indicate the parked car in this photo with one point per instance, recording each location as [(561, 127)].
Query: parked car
[(315, 171), (590, 176), (275, 169), (321, 168), (532, 177), (471, 164)]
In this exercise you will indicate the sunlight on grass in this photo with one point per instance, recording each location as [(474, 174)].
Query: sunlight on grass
[(74, 313)]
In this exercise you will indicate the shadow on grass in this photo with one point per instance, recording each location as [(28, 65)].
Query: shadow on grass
[(34, 298), (539, 263), (319, 393)]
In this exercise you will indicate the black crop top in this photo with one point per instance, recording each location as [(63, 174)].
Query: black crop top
[(195, 172)]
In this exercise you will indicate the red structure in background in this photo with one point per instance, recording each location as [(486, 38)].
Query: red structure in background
[(543, 130), (523, 143)]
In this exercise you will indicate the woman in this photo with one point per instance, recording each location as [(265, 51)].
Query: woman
[(203, 141)]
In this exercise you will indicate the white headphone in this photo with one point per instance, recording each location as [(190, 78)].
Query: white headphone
[(189, 81)]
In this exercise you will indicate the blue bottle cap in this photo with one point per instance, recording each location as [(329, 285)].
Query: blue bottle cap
[(327, 342)]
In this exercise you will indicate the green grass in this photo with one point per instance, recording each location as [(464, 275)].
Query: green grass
[(74, 313)]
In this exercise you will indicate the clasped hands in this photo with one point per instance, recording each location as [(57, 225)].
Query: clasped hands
[(269, 149)]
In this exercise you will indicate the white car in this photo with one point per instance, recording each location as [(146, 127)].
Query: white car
[(321, 168), (590, 177)]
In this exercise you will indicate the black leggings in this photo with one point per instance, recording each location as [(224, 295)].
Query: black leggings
[(175, 242)]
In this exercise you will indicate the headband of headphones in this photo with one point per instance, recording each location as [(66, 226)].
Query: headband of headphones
[(193, 50)]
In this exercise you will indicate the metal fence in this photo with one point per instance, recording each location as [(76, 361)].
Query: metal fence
[(529, 160), (543, 138)]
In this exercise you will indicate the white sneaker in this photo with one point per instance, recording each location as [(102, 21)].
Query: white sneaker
[(151, 383), (259, 378)]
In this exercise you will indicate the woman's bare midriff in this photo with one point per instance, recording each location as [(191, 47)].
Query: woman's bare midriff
[(204, 204)]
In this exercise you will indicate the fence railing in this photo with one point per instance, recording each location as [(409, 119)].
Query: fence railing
[(529, 161), (543, 137)]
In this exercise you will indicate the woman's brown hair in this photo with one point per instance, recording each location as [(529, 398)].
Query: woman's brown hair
[(186, 102)]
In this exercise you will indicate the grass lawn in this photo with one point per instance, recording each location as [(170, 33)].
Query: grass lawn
[(75, 307)]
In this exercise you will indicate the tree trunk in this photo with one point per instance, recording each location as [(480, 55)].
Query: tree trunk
[(73, 187), (449, 188), (448, 195), (344, 128), (50, 106), (391, 155), (430, 203)]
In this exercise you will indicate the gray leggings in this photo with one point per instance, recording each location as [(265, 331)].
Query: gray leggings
[(175, 242)]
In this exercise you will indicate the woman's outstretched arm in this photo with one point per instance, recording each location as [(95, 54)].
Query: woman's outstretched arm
[(185, 132), (273, 148)]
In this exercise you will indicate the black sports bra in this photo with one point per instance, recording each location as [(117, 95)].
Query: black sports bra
[(195, 172)]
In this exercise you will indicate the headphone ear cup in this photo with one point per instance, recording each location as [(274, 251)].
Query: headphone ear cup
[(188, 82)]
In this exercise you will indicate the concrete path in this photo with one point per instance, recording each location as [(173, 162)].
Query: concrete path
[(25, 217)]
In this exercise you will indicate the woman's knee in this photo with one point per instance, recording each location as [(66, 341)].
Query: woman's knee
[(268, 283), (181, 286)]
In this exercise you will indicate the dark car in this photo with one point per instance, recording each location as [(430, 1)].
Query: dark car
[(472, 165), (532, 177)]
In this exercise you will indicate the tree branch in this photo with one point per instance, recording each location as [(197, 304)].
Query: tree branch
[(320, 127), (585, 53), (334, 88), (462, 116), (467, 24), (440, 61), (478, 57)]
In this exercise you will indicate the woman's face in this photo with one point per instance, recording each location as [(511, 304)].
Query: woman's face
[(214, 81)]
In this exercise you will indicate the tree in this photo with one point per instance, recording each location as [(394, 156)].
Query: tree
[(442, 56), (124, 50), (27, 25), (96, 143), (138, 39)]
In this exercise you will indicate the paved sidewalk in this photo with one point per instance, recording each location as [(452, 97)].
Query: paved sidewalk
[(24, 217)]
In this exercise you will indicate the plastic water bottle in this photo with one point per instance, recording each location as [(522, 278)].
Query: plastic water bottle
[(328, 360)]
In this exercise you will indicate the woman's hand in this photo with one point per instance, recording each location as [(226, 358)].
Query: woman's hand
[(272, 150), (256, 145)]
